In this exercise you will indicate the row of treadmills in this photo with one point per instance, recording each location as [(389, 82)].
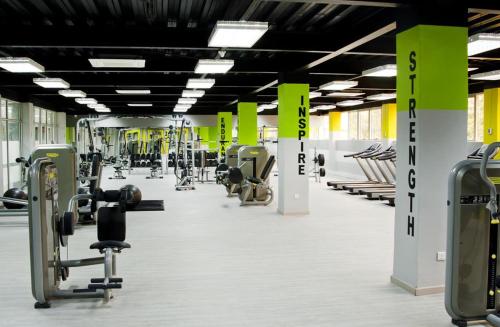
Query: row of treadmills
[(379, 167)]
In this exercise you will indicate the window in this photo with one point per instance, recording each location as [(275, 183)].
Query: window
[(45, 126), (365, 124), (353, 125), (475, 118), (10, 138), (375, 124)]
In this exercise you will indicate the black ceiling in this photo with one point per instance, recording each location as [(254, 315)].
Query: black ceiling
[(318, 36)]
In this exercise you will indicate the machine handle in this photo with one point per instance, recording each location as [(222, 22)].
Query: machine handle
[(492, 205)]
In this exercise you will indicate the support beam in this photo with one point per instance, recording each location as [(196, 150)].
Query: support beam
[(225, 132), (432, 138), (247, 123), (293, 145), (491, 115)]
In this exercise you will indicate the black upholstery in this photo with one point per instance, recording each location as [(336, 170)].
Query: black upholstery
[(111, 224), (109, 244), (267, 168), (254, 180)]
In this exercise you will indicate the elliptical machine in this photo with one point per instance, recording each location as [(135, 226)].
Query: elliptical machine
[(472, 289)]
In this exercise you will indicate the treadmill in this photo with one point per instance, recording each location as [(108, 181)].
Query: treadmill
[(363, 164), (383, 180), (375, 193), (476, 154)]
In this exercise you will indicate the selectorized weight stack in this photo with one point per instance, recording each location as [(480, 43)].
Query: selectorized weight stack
[(250, 178), (64, 157), (222, 170), (251, 161), (50, 227), (472, 264)]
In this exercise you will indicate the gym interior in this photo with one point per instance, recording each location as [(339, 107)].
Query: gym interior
[(249, 163)]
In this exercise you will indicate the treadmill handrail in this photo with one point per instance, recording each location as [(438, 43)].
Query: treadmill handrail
[(372, 148)]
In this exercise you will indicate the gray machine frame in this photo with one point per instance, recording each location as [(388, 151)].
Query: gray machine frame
[(47, 268), (472, 267)]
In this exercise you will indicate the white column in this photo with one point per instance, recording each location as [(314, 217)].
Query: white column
[(293, 148), (27, 129), (61, 127)]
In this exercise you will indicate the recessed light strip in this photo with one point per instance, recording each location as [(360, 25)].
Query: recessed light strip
[(193, 93), (72, 93), (51, 83), (21, 65), (213, 66), (338, 85), (133, 91), (117, 63), (238, 34), (482, 42), (381, 71), (200, 83), (139, 104)]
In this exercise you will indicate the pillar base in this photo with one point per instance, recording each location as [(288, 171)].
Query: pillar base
[(417, 291), (293, 214)]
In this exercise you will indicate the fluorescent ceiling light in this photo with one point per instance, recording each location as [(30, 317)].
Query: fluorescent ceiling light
[(187, 100), (72, 93), (338, 85), (86, 100), (345, 94), (213, 66), (200, 83), (487, 76), (193, 93), (349, 103), (97, 106), (182, 107), (103, 110), (325, 107), (275, 102), (139, 104), (381, 96), (133, 91), (260, 109), (381, 71), (470, 69), (238, 34), (482, 42), (117, 63), (268, 106), (21, 65), (51, 83), (313, 95), (313, 109)]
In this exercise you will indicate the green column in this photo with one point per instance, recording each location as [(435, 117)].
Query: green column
[(212, 137), (203, 134), (431, 138), (293, 146), (224, 131), (247, 123)]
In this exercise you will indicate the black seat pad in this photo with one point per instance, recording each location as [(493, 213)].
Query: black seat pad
[(109, 244), (254, 180)]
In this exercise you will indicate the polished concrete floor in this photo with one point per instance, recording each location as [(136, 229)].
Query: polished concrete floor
[(206, 261)]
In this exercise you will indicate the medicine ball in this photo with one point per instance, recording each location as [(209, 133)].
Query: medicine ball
[(134, 195), (15, 193)]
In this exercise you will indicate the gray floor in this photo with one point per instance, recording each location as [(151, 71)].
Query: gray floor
[(205, 261)]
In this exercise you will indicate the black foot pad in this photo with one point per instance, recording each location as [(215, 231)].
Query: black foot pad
[(39, 305)]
